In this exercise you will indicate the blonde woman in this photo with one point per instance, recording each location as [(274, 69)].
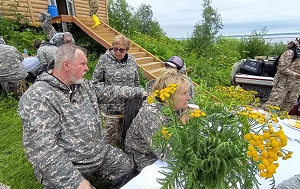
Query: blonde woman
[(138, 140)]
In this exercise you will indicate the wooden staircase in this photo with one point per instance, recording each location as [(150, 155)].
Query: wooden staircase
[(150, 65)]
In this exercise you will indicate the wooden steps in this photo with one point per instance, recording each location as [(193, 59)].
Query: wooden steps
[(150, 65)]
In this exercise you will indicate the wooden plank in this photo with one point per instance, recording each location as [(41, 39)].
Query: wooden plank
[(147, 74), (88, 31), (138, 54), (144, 60), (62, 18), (134, 49), (152, 65), (83, 9), (31, 12), (86, 6)]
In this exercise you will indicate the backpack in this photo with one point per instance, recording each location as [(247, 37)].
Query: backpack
[(273, 69)]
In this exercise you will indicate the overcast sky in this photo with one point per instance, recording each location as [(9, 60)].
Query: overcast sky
[(239, 17)]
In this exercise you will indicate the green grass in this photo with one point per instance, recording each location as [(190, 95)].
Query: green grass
[(15, 170)]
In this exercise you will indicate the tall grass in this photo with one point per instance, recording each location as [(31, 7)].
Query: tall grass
[(15, 170)]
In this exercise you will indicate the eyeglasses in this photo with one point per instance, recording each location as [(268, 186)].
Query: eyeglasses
[(116, 49)]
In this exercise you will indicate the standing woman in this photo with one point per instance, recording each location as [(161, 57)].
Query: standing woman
[(286, 83), (94, 4), (116, 67)]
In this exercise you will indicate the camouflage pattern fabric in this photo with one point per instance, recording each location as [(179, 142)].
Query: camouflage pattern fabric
[(291, 183), (54, 37), (62, 132), (286, 87), (11, 67), (17, 88), (3, 186), (110, 71), (46, 25), (45, 54), (138, 140), (94, 4), (192, 88), (57, 39), (113, 129)]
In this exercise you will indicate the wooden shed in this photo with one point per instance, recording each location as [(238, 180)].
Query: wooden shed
[(77, 12), (31, 8)]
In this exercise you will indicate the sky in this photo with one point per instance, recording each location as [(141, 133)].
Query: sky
[(239, 17)]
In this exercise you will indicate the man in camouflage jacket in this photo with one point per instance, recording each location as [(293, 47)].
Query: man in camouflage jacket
[(113, 71), (62, 127), (286, 83), (45, 54), (12, 71)]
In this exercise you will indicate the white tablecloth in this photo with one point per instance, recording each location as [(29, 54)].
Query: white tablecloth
[(290, 167), (287, 168)]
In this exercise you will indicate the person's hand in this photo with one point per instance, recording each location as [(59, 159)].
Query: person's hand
[(184, 118), (144, 95), (85, 184)]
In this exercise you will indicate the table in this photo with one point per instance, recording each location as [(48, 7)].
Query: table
[(287, 168)]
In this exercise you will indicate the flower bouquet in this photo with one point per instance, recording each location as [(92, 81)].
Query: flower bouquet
[(224, 144)]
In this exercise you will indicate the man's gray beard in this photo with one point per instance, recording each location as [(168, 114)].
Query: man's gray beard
[(76, 81)]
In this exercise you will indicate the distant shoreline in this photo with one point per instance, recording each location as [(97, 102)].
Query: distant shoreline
[(273, 37)]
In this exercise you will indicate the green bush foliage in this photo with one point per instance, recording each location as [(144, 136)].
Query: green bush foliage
[(20, 36), (255, 45)]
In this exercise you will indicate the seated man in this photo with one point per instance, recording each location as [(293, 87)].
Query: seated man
[(138, 140), (12, 72), (61, 38), (45, 55), (62, 127)]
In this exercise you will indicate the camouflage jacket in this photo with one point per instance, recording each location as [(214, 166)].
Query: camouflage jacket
[(138, 140), (11, 67), (110, 71), (291, 183), (57, 39), (45, 54), (285, 62), (287, 69), (62, 127)]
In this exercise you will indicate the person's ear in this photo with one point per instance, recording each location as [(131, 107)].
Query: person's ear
[(66, 65)]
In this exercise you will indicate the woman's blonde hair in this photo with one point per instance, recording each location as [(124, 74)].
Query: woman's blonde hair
[(121, 40), (170, 76)]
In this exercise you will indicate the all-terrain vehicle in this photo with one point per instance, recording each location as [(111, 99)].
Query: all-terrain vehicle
[(250, 75)]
